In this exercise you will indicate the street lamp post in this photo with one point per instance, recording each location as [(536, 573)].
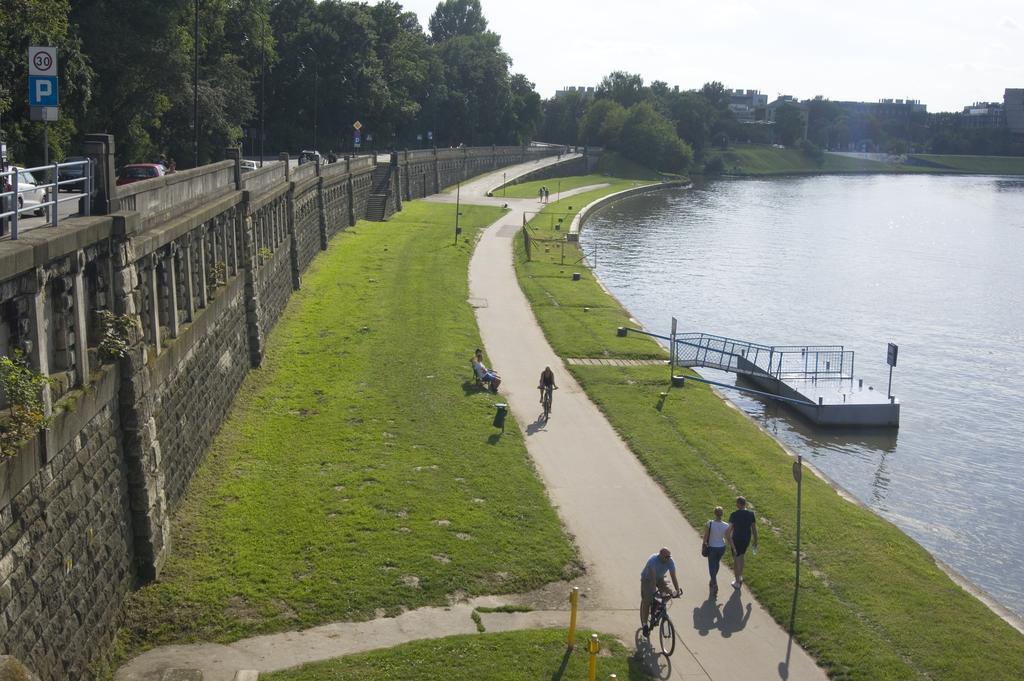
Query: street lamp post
[(195, 87), (263, 74), (316, 80)]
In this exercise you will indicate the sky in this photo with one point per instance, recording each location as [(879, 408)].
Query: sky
[(946, 54)]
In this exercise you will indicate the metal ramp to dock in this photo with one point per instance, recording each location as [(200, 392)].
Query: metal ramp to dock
[(782, 362), (815, 380)]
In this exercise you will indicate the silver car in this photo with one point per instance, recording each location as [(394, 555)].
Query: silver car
[(30, 195)]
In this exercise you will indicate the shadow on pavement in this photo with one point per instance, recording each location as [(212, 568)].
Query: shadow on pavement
[(652, 663), (707, 615), (537, 426), (734, 615)]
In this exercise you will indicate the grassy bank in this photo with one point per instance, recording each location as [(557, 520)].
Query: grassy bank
[(987, 165), (872, 603), (528, 190), (756, 159), (511, 656), (759, 159), (358, 473)]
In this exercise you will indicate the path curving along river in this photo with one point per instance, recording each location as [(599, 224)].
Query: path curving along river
[(935, 264)]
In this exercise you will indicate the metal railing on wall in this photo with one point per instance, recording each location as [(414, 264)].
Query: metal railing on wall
[(20, 191)]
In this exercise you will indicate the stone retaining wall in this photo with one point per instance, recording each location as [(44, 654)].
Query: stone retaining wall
[(201, 266)]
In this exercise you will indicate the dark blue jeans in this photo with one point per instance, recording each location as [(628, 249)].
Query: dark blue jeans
[(715, 554)]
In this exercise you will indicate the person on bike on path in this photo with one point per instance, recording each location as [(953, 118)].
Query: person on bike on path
[(652, 580), (547, 382)]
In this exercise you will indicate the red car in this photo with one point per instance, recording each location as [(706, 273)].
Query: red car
[(135, 172)]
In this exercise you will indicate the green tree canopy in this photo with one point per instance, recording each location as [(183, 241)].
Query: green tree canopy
[(453, 18)]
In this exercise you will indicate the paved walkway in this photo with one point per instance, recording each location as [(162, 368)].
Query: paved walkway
[(618, 515)]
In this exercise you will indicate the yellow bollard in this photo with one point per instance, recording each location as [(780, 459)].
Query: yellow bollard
[(574, 601), (593, 646)]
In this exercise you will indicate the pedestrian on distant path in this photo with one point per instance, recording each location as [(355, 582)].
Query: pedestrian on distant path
[(652, 580), (547, 195), (540, 195), (742, 527), (714, 540)]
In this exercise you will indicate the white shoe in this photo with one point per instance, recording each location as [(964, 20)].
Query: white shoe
[(737, 583)]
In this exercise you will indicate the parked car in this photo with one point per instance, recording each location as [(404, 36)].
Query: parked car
[(30, 194), (135, 172), (248, 166), (75, 172), (307, 155)]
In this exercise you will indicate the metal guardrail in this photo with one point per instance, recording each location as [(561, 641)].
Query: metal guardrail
[(11, 189), (778, 361)]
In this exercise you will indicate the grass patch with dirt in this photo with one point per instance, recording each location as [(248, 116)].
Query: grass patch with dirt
[(872, 605), (358, 473), (528, 190), (510, 656)]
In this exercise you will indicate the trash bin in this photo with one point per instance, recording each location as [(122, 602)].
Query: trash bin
[(501, 410)]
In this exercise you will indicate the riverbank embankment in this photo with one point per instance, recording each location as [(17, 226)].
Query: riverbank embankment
[(872, 603), (745, 160)]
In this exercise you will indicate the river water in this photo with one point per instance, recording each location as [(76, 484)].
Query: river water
[(932, 263)]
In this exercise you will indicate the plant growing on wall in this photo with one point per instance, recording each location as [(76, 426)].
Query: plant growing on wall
[(115, 334), (264, 254), (217, 275), (22, 388)]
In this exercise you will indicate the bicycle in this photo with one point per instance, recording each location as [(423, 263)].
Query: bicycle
[(546, 400), (663, 623)]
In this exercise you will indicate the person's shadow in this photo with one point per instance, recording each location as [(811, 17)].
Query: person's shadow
[(707, 616), (734, 615), (651, 662), (537, 426)]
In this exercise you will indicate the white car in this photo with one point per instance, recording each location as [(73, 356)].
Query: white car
[(248, 166), (30, 194)]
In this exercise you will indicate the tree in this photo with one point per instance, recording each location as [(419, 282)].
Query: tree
[(602, 123), (649, 138), (789, 124), (40, 22), (625, 88), (454, 18)]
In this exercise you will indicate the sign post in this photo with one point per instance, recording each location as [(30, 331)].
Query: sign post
[(894, 351), (672, 351), (356, 139), (798, 476), (43, 98)]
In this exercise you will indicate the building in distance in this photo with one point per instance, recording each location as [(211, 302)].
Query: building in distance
[(585, 92)]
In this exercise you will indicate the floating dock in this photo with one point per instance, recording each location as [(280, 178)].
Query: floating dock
[(817, 381)]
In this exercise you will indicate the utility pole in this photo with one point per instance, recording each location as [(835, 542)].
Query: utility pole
[(263, 74), (195, 88)]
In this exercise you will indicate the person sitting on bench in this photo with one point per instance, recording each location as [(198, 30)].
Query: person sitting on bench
[(484, 375)]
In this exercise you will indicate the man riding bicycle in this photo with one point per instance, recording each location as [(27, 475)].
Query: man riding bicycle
[(546, 384), (652, 580)]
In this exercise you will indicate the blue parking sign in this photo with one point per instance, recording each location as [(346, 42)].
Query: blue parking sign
[(42, 91)]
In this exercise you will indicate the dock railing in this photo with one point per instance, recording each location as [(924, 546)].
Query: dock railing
[(782, 362)]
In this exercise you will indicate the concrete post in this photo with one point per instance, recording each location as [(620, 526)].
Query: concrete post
[(437, 173), (235, 154), (321, 208), (253, 308), (154, 301), (39, 350), (174, 319), (140, 446), (190, 309), (396, 180), (100, 148), (81, 341), (283, 156), (350, 188), (293, 240), (203, 298)]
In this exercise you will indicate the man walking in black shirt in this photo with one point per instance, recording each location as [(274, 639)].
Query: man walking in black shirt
[(742, 528)]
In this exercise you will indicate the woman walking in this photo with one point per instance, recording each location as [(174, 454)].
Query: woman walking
[(714, 540)]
